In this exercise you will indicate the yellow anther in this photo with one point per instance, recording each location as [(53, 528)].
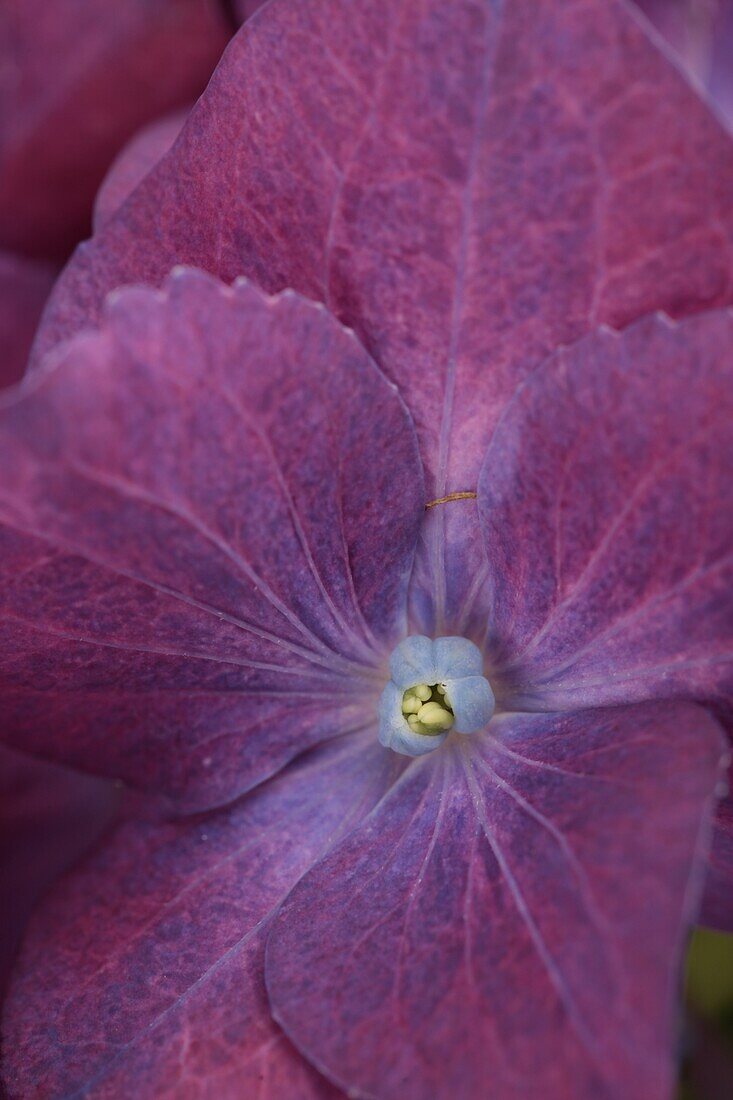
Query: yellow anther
[(427, 710), (411, 704), (434, 717)]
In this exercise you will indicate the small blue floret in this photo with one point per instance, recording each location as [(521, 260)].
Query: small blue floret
[(453, 669)]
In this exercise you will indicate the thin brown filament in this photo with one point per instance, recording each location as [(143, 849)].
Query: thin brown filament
[(450, 497)]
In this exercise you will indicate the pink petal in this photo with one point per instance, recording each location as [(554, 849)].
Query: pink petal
[(208, 514), (607, 507), (142, 975), (510, 917), (77, 79), (132, 165), (24, 288), (467, 185)]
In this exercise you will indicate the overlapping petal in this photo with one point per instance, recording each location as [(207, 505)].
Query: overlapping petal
[(702, 37), (143, 975), (607, 507), (207, 526), (49, 816), (608, 524), (24, 288), (132, 165), (467, 185), (246, 8), (77, 79), (510, 917), (208, 514)]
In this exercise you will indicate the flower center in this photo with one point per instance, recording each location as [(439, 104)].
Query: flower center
[(427, 710), (437, 685)]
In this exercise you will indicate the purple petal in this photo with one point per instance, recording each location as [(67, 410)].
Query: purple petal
[(701, 33), (77, 79), (719, 76), (607, 506), (208, 513), (142, 975), (24, 288), (467, 185), (512, 912), (132, 165), (49, 816)]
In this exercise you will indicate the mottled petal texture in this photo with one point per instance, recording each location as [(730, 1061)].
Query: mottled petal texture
[(143, 974), (77, 79), (208, 514), (467, 185), (132, 165), (509, 919), (24, 288), (606, 501)]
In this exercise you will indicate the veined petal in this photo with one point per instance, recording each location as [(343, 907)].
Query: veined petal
[(142, 974), (510, 917), (468, 185), (208, 513), (606, 500)]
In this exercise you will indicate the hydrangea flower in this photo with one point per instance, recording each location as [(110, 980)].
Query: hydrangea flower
[(436, 446)]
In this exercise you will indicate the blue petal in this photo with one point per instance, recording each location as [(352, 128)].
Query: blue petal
[(472, 702), (456, 657), (420, 660), (413, 662)]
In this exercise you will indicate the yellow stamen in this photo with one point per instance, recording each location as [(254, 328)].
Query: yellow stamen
[(434, 717)]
